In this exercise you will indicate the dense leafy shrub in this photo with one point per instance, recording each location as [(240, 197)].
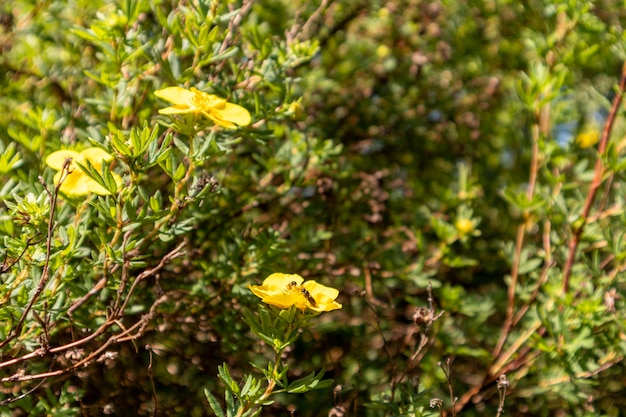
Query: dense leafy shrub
[(455, 169)]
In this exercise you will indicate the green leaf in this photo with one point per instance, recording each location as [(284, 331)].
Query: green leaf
[(180, 172), (9, 158), (308, 383), (118, 143), (215, 406), (231, 407), (529, 265), (224, 375), (85, 34)]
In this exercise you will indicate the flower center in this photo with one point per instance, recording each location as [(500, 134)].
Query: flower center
[(204, 101), (300, 291)]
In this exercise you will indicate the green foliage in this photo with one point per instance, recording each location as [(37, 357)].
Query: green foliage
[(462, 156), (279, 328)]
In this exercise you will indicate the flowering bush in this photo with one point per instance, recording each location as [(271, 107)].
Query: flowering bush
[(445, 179)]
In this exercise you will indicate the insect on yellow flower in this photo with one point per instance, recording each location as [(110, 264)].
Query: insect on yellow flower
[(77, 182), (220, 111), (286, 290)]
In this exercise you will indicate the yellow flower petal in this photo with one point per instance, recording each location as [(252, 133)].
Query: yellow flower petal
[(218, 120), (320, 307), (176, 95), (281, 301), (321, 291), (282, 280), (76, 182), (264, 292), (324, 296), (72, 184), (234, 114), (177, 110), (96, 156), (56, 160)]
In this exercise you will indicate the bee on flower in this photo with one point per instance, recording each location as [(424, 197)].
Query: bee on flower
[(286, 290)]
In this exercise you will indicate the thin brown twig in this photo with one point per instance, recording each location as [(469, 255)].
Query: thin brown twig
[(125, 269), (595, 184), (38, 353), (447, 370), (132, 333), (93, 291), (379, 328), (474, 393), (524, 356), (100, 330), (424, 320), (540, 125), (233, 26), (23, 395), (174, 253), (607, 192), (306, 31), (6, 266), (503, 384), (155, 398), (542, 280), (505, 356), (510, 307)]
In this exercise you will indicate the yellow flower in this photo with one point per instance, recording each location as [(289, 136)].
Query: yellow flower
[(295, 110), (588, 138), (286, 290), (464, 226), (77, 182), (222, 112)]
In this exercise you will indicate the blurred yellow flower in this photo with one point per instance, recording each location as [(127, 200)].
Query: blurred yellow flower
[(588, 138), (220, 111), (77, 182), (383, 51), (286, 290), (295, 110), (464, 226)]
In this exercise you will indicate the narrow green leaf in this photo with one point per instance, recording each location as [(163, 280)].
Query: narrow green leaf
[(215, 406)]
